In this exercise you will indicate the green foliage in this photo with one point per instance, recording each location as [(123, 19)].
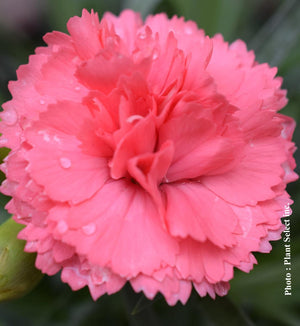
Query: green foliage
[(144, 7), (18, 274), (214, 16), (262, 290), (61, 11), (284, 29)]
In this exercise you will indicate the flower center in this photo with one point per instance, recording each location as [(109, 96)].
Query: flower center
[(137, 158)]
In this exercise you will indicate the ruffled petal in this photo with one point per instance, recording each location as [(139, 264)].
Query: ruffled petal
[(99, 229), (172, 288), (56, 149), (187, 210), (253, 178), (84, 32)]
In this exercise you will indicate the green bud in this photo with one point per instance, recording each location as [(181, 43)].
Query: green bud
[(18, 274)]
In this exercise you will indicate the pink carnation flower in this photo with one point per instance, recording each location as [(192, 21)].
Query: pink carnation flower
[(147, 153)]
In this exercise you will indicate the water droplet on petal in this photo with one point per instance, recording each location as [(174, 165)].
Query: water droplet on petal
[(188, 31), (89, 229), (155, 54), (165, 180), (77, 88), (10, 117), (62, 227), (3, 141), (30, 245), (55, 48), (42, 102), (56, 139), (65, 162), (45, 135), (134, 118), (29, 183)]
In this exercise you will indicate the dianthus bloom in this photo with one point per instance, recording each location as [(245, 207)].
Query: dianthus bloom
[(147, 153)]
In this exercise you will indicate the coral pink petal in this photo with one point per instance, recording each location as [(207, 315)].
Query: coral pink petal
[(172, 288), (58, 79), (125, 26), (84, 32), (252, 180), (102, 73), (204, 288), (67, 166), (57, 152), (128, 147), (189, 204), (204, 260), (99, 229), (149, 169)]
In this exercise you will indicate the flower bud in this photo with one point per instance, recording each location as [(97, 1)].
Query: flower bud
[(18, 274)]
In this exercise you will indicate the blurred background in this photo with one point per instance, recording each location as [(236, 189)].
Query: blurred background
[(272, 29)]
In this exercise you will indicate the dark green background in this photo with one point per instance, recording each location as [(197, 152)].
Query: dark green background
[(272, 29)]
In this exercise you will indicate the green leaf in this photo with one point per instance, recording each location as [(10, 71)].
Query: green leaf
[(222, 311), (61, 11), (4, 215), (280, 35), (145, 7), (263, 289), (140, 311), (228, 17), (18, 274), (214, 16)]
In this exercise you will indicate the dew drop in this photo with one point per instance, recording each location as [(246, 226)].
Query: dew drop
[(89, 229), (165, 180), (45, 135), (56, 139), (29, 183), (10, 117), (142, 36), (188, 31), (65, 162), (30, 245), (4, 168), (62, 227), (77, 88), (133, 118), (221, 289), (42, 102), (3, 141), (155, 54), (55, 48)]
